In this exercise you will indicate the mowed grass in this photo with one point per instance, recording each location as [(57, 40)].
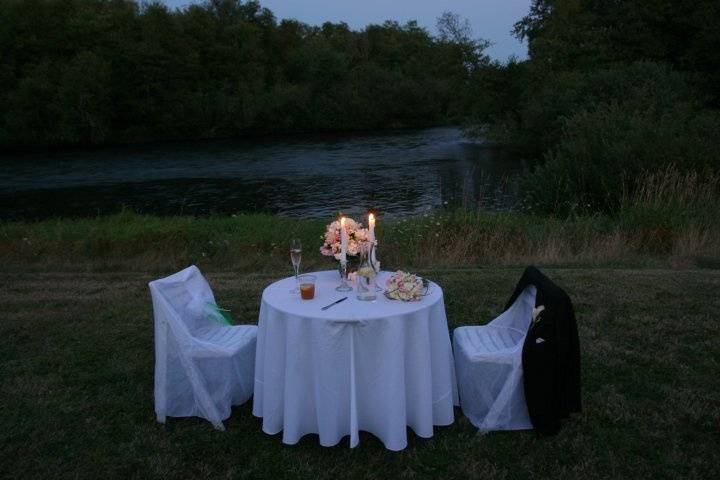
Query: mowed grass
[(76, 369)]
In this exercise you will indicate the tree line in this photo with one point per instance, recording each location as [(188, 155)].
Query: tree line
[(102, 71)]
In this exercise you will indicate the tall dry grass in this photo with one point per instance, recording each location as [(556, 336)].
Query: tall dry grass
[(673, 187), (667, 218), (674, 212)]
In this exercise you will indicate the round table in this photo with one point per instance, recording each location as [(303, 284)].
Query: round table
[(376, 366)]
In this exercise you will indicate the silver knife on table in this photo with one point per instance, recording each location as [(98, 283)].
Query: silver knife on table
[(334, 303)]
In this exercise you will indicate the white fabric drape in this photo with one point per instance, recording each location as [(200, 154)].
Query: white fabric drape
[(374, 366), (488, 360), (202, 367)]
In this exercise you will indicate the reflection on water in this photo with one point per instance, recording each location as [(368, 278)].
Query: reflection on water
[(398, 174)]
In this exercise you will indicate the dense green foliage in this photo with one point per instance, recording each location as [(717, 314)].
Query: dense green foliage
[(585, 34), (540, 119), (601, 129), (98, 71), (611, 89)]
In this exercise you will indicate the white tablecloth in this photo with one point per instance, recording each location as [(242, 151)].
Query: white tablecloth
[(374, 366)]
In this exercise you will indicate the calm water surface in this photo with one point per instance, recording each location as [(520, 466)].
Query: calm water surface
[(399, 174)]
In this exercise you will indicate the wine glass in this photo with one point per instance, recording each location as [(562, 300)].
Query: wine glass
[(295, 255)]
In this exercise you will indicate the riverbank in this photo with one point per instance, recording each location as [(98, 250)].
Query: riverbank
[(77, 367), (258, 243)]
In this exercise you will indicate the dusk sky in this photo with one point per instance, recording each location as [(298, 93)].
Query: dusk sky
[(490, 19)]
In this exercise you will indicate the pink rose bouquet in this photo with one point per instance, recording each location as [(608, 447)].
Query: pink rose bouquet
[(357, 238)]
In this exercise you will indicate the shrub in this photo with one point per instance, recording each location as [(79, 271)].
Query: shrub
[(602, 151), (550, 100)]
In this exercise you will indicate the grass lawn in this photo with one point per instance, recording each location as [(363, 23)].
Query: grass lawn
[(76, 370)]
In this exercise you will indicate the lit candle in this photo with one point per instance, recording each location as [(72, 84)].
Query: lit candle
[(371, 239), (343, 241), (371, 224)]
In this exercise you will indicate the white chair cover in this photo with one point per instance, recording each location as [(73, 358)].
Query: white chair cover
[(202, 367), (488, 363)]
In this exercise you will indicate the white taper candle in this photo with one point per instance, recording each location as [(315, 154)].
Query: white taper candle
[(343, 241), (371, 225)]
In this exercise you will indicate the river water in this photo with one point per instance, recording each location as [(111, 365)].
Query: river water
[(402, 173)]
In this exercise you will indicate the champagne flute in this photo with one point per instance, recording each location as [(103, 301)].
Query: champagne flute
[(295, 255)]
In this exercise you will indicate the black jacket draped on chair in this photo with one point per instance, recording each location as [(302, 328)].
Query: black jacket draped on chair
[(551, 355)]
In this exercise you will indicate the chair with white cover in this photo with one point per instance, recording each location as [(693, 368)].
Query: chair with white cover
[(488, 363), (202, 367)]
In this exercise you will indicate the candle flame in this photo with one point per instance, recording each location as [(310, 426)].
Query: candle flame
[(342, 221), (371, 217)]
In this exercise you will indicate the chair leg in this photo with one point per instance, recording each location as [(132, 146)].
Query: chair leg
[(492, 416), (202, 397)]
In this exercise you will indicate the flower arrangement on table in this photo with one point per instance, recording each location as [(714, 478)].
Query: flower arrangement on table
[(357, 239), (406, 286), (346, 240)]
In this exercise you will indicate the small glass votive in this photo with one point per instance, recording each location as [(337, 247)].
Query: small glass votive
[(365, 281), (307, 286), (343, 269)]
